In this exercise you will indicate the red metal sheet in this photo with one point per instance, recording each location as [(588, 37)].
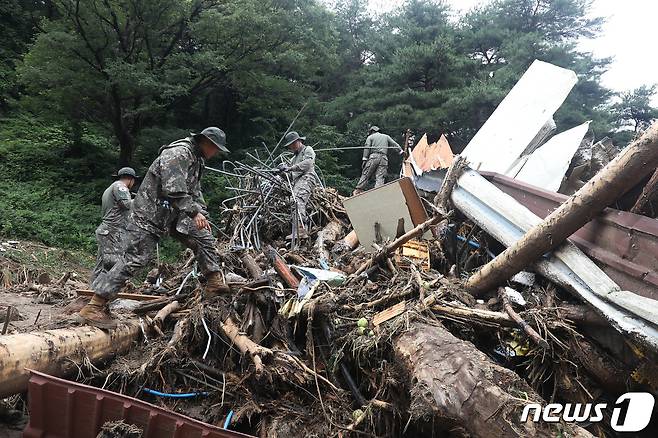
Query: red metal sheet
[(63, 409), (624, 244)]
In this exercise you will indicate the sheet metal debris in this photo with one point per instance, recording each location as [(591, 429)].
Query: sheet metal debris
[(63, 409), (507, 220), (547, 165), (623, 244), (520, 117), (427, 157)]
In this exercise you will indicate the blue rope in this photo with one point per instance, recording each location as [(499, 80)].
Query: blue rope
[(229, 417), (178, 395)]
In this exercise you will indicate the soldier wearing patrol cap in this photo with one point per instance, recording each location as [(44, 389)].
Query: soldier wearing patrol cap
[(303, 176), (169, 201), (375, 159), (115, 209)]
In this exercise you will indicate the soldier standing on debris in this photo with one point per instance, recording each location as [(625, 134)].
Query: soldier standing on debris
[(375, 159), (304, 178), (115, 208), (169, 200)]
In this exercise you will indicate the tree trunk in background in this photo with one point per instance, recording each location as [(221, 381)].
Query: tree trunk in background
[(121, 129), (127, 149)]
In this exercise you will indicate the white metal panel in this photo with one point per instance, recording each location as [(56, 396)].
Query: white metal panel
[(547, 165), (520, 117)]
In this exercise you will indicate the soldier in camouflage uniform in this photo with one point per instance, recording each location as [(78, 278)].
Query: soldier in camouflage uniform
[(169, 201), (115, 208), (375, 159), (304, 178)]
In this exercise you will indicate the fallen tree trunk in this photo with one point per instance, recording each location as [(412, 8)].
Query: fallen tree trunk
[(328, 235), (58, 352), (454, 381), (622, 173)]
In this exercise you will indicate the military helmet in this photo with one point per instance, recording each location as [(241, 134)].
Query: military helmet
[(216, 136), (292, 137), (373, 128), (126, 171)]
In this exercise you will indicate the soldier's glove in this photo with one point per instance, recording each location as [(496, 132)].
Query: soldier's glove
[(281, 168)]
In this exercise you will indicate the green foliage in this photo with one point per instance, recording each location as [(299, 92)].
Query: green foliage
[(634, 108), (87, 85), (149, 63), (48, 191)]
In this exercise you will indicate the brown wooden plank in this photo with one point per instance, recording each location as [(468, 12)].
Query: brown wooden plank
[(389, 313)]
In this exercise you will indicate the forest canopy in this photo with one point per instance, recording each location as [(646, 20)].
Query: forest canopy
[(90, 85)]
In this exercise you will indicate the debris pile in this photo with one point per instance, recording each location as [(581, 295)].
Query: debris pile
[(429, 327), (260, 208)]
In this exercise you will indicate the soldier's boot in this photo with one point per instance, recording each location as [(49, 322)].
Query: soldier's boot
[(301, 234), (97, 313), (215, 286), (356, 192)]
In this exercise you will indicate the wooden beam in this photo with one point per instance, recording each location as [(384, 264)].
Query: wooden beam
[(281, 267)]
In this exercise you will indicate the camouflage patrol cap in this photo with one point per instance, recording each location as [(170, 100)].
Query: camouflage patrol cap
[(292, 137), (216, 136), (374, 128), (126, 171)]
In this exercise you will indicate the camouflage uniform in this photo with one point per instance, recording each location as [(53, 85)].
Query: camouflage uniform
[(375, 159), (115, 208), (168, 198), (304, 179)]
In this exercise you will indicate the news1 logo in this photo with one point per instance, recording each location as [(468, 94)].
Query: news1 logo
[(630, 413)]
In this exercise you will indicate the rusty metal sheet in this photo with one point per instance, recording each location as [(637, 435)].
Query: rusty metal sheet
[(63, 409), (624, 244), (428, 157)]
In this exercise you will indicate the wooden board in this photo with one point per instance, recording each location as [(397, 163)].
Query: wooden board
[(385, 205), (389, 313)]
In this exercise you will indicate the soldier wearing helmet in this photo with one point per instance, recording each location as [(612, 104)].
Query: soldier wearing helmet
[(115, 208), (169, 201), (303, 176)]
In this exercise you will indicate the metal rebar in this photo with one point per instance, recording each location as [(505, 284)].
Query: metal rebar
[(290, 126)]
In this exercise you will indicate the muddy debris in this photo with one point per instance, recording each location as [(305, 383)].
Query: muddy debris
[(321, 337)]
